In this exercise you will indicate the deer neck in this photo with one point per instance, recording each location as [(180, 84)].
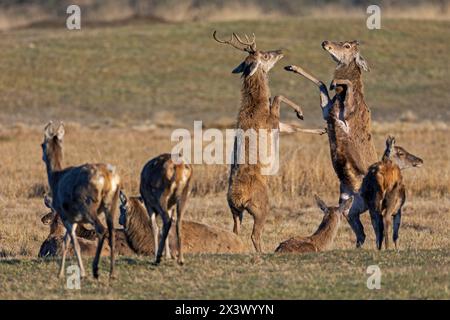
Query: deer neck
[(54, 164), (351, 72), (255, 92), (325, 234)]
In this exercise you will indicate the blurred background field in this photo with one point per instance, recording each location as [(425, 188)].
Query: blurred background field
[(137, 70)]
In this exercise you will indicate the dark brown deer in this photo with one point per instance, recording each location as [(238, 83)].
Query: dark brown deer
[(247, 185), (384, 191), (324, 236), (80, 194), (165, 187), (53, 244), (348, 125)]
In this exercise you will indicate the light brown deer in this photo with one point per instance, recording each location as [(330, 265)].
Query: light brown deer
[(348, 125), (198, 237), (53, 244), (247, 185), (165, 187), (325, 234), (384, 191), (80, 194)]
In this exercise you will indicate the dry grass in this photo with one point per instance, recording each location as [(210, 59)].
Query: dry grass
[(305, 170)]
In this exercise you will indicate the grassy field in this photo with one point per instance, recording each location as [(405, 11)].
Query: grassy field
[(414, 274), (123, 90), (177, 73)]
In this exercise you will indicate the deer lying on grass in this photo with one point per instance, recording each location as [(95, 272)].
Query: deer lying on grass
[(348, 125), (324, 236), (53, 244), (80, 195), (165, 187), (384, 191), (199, 238), (247, 185)]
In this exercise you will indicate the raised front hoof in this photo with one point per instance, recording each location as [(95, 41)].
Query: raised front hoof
[(289, 68), (300, 116)]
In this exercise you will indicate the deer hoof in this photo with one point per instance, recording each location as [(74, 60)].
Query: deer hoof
[(289, 68)]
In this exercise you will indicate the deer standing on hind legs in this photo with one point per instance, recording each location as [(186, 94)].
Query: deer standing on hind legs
[(80, 195), (247, 185), (165, 187), (348, 125), (384, 191)]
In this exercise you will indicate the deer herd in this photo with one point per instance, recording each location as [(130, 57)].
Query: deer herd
[(81, 194)]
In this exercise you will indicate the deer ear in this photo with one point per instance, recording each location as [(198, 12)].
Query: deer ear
[(48, 130), (240, 68), (251, 69), (321, 204), (345, 206), (60, 131), (362, 63)]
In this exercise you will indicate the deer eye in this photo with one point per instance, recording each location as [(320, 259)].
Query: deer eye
[(347, 46), (266, 56)]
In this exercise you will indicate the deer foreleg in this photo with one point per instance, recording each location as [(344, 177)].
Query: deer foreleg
[(325, 102), (289, 128), (276, 102), (349, 105)]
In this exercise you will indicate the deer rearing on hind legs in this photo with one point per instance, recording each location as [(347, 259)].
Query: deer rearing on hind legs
[(80, 195), (247, 185), (348, 125)]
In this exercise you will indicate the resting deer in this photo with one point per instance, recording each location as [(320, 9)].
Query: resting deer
[(348, 125), (197, 237), (384, 191), (324, 236), (52, 245), (247, 185), (165, 187), (80, 195)]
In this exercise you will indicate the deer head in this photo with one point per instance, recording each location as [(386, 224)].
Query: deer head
[(404, 159), (342, 210), (256, 59), (52, 145), (345, 52)]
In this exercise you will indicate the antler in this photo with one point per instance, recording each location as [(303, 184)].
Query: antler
[(236, 42)]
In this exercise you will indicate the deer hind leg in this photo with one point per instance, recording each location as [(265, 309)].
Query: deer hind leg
[(167, 252), (64, 252), (167, 223), (111, 242), (397, 221), (101, 234), (155, 231), (181, 207), (387, 220), (237, 218), (378, 227), (76, 248), (259, 213)]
